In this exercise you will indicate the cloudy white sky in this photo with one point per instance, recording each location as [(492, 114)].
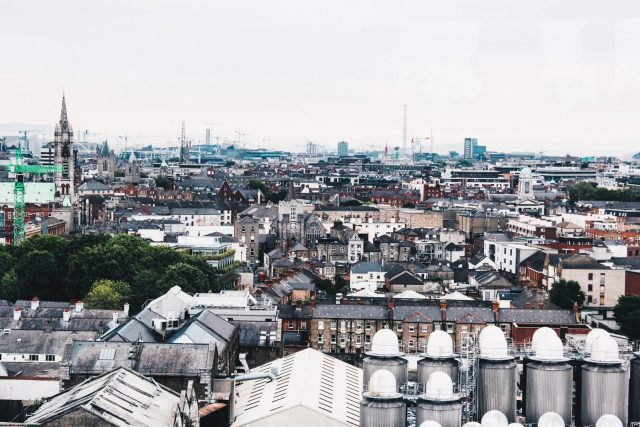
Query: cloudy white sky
[(553, 75)]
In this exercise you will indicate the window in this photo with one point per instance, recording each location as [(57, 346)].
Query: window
[(320, 339), (410, 343), (412, 328), (450, 328), (33, 357), (50, 357), (333, 338), (333, 325), (424, 328), (590, 287), (590, 276), (343, 338), (320, 325), (290, 324), (367, 325), (590, 299), (399, 327), (602, 278), (358, 339), (367, 339)]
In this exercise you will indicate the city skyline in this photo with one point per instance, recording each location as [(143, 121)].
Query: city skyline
[(543, 77)]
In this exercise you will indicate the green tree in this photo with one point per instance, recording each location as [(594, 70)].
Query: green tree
[(9, 287), (164, 181), (108, 294), (229, 163), (627, 314), (188, 277), (565, 293)]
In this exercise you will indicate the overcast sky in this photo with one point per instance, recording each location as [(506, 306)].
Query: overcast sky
[(559, 76)]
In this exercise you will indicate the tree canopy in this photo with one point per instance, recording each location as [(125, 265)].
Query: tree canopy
[(565, 293), (589, 191), (55, 268), (270, 195), (108, 294), (627, 314)]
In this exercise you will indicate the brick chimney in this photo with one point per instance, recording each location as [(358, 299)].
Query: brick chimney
[(66, 315), (391, 305), (443, 309), (495, 307), (35, 303), (576, 312), (17, 312)]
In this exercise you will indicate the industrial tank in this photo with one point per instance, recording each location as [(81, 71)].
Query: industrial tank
[(430, 424), (609, 420), (382, 404), (604, 383), (496, 389), (494, 419), (549, 381), (634, 390), (385, 354), (439, 402), (439, 357), (551, 419)]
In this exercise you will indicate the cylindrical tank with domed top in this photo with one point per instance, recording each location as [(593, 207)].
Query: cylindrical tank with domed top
[(634, 390), (439, 357), (549, 379), (604, 389), (496, 388), (385, 354), (439, 402), (382, 404)]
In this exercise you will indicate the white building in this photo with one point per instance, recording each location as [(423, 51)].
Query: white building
[(367, 275), (508, 255)]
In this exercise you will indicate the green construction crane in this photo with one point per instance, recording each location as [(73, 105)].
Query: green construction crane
[(18, 190)]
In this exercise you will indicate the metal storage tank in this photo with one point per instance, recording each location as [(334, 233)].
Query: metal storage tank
[(439, 357), (382, 404), (439, 402), (609, 421), (494, 419), (385, 354), (549, 385), (634, 390), (430, 424), (604, 383), (496, 388), (551, 419), (472, 424)]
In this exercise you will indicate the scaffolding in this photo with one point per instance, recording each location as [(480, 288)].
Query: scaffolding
[(467, 375)]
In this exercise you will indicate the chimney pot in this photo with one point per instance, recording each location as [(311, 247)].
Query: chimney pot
[(79, 306), (17, 312), (35, 303), (114, 316), (126, 309), (66, 315)]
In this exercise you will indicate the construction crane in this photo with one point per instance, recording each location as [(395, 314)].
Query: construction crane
[(20, 169)]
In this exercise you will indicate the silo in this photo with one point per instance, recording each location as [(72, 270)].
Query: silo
[(634, 390), (539, 334), (439, 357), (551, 419), (496, 389), (382, 404), (472, 424), (430, 424), (604, 383), (494, 419), (549, 381), (591, 337), (609, 420), (439, 403), (385, 354)]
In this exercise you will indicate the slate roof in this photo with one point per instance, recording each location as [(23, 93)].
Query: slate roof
[(365, 267), (203, 328), (39, 342), (329, 311), (291, 312), (547, 317), (401, 312), (250, 332), (582, 262)]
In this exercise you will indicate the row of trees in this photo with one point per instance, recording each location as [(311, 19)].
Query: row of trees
[(270, 195), (589, 191), (55, 268)]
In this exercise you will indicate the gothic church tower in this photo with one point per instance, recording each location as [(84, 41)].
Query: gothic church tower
[(64, 158)]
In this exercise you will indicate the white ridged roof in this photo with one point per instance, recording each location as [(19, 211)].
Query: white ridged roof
[(325, 387)]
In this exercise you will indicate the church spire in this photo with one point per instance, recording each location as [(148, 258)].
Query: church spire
[(63, 112)]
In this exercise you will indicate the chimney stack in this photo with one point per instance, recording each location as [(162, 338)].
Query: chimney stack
[(125, 309), (576, 312), (391, 305), (17, 312), (443, 309), (114, 316), (35, 303), (66, 315), (79, 306), (540, 299), (495, 306)]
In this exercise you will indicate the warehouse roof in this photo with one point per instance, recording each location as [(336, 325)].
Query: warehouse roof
[(327, 388)]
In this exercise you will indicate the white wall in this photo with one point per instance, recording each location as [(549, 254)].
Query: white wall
[(15, 388)]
